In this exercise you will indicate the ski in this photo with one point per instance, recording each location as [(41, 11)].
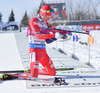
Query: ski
[(6, 76), (55, 80), (15, 71), (24, 77), (27, 77), (28, 70), (21, 76)]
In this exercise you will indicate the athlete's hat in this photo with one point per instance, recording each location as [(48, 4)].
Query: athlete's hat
[(46, 10)]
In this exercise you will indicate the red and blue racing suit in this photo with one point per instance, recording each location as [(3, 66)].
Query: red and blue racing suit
[(37, 51)]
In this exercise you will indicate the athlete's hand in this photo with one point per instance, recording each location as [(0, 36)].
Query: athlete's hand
[(64, 37), (60, 36)]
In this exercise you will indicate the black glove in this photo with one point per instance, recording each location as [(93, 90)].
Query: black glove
[(64, 37)]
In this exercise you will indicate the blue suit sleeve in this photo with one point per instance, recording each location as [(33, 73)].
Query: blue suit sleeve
[(50, 40)]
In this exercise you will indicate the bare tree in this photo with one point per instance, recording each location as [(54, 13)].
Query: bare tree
[(71, 9), (86, 10), (82, 11), (95, 10)]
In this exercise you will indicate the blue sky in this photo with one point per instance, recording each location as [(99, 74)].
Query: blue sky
[(18, 6)]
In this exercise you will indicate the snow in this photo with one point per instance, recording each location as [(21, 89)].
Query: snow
[(9, 52), (10, 59), (82, 51)]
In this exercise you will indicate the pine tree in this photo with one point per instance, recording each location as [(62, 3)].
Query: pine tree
[(25, 20), (0, 17), (11, 17)]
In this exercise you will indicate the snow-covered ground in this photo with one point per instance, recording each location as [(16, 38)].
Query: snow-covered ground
[(9, 59), (9, 52), (82, 51)]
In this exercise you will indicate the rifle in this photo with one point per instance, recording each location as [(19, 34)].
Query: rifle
[(68, 31)]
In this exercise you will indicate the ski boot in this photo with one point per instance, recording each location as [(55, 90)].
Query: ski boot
[(59, 81)]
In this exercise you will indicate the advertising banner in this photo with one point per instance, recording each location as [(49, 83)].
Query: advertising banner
[(63, 27), (59, 10), (76, 27), (90, 27), (73, 27)]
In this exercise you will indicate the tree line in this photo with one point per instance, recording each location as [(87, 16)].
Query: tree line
[(11, 17), (24, 21), (86, 10)]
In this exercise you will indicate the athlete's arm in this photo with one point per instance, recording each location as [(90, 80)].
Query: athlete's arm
[(36, 30)]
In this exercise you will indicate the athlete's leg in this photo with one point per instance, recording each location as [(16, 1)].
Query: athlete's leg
[(40, 55), (33, 62), (47, 63)]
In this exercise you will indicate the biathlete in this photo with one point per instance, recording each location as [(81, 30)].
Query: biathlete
[(39, 34)]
